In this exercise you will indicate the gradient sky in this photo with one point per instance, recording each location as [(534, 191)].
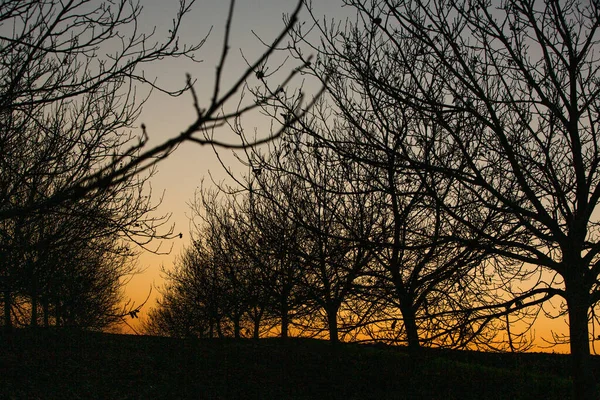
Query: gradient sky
[(180, 175)]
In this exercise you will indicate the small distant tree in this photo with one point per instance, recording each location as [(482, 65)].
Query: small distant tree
[(191, 300), (219, 286), (274, 250), (306, 186)]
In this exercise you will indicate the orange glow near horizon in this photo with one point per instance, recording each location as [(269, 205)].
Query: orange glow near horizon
[(139, 287)]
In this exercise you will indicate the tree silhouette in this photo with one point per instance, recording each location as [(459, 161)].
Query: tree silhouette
[(191, 304), (73, 168), (63, 76), (354, 190), (302, 184), (506, 105)]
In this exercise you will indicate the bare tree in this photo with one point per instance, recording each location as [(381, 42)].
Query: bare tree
[(507, 100), (81, 241), (69, 103), (191, 304), (346, 154), (277, 238), (72, 68), (226, 283), (332, 222)]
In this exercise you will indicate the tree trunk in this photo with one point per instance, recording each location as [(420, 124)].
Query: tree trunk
[(7, 309), (219, 330), (34, 313), (284, 320), (584, 383), (236, 326), (34, 301), (46, 311), (256, 328), (410, 324), (57, 314), (211, 329), (332, 324)]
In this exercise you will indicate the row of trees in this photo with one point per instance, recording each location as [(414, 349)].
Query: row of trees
[(75, 204), (451, 170), (67, 110), (332, 249)]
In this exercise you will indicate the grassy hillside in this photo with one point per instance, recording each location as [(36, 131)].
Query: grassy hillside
[(48, 365)]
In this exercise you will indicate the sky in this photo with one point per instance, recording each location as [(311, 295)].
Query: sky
[(179, 176)]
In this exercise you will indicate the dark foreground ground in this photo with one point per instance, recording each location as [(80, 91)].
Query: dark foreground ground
[(51, 365)]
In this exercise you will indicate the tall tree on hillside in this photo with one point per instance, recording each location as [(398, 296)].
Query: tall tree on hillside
[(346, 154), (507, 103)]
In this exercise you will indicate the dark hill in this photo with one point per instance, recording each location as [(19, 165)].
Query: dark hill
[(79, 365)]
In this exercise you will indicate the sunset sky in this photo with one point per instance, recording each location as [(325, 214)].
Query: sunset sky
[(179, 176)]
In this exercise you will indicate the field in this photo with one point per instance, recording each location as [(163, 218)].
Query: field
[(80, 365)]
